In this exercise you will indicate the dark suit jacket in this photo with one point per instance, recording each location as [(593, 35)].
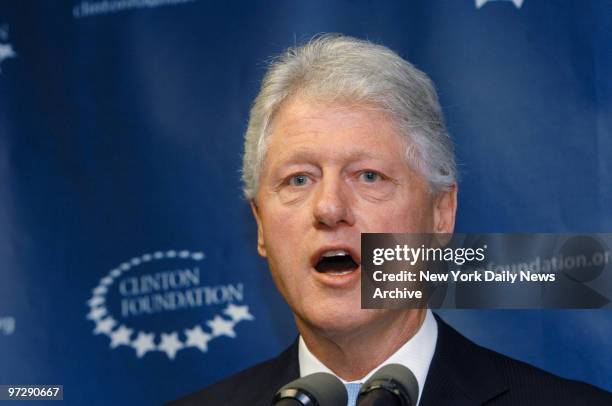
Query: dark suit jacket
[(461, 373)]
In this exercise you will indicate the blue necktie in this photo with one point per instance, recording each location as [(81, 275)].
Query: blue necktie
[(352, 390)]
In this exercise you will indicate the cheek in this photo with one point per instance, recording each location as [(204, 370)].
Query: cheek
[(282, 270), (283, 230), (283, 238), (413, 214)]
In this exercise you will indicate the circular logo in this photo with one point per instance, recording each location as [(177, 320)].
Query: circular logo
[(155, 293)]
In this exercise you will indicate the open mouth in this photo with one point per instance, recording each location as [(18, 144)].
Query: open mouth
[(336, 262)]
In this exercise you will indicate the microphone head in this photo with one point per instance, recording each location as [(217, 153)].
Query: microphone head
[(394, 378), (320, 388)]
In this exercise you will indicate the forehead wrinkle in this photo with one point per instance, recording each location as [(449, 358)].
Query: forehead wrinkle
[(312, 155)]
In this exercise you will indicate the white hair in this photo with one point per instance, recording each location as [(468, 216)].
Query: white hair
[(335, 67)]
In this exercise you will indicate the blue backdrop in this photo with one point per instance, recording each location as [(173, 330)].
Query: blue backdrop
[(129, 272)]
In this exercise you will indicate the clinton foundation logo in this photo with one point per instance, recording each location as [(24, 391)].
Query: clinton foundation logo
[(166, 302)]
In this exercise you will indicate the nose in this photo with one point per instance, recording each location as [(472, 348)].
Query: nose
[(332, 203)]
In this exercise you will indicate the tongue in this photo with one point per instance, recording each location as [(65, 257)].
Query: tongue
[(337, 264)]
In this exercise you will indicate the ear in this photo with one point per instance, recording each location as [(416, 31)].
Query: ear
[(261, 245), (445, 207)]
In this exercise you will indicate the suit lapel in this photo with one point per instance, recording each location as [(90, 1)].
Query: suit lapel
[(283, 369), (460, 372)]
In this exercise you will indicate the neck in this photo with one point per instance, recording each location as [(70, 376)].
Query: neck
[(352, 355)]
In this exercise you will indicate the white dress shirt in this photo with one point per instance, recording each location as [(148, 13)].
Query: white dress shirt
[(415, 354)]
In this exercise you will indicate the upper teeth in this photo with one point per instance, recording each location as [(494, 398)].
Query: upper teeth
[(335, 253)]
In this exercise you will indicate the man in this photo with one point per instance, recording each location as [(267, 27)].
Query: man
[(344, 138)]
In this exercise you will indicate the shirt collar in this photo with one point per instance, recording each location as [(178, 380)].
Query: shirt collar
[(415, 354)]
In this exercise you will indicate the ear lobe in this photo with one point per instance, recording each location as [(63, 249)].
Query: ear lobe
[(445, 207), (261, 245)]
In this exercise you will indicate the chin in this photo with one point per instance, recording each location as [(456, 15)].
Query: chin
[(337, 322)]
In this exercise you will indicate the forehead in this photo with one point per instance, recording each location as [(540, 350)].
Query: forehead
[(304, 127)]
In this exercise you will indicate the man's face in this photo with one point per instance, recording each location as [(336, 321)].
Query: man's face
[(332, 172)]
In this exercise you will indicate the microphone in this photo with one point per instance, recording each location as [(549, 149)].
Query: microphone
[(318, 389), (391, 385)]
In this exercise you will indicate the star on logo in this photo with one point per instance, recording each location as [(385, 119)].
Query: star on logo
[(170, 344), (143, 343), (238, 313), (196, 337), (107, 280), (220, 326), (95, 301), (6, 51), (96, 313), (105, 326), (121, 336), (517, 3)]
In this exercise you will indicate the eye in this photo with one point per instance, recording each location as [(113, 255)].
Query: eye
[(298, 180), (370, 176)]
